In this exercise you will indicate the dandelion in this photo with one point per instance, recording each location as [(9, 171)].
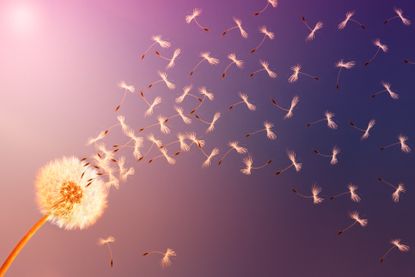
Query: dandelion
[(356, 220), (348, 19), (380, 47), (267, 34), (238, 25), (290, 110), (166, 256), (343, 65), (399, 15), (232, 57), (156, 40), (108, 241), (205, 57), (209, 157), (233, 146), (266, 68), (352, 191), (267, 128), (171, 60), (205, 95), (396, 243), (248, 162), (333, 156), (65, 199), (127, 89), (193, 18), (163, 79), (328, 116), (296, 69), (273, 3), (311, 35), (388, 90), (244, 100), (366, 132), (152, 105), (294, 163), (315, 191), (402, 141), (398, 189), (212, 123)]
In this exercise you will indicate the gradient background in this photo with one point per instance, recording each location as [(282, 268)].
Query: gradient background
[(58, 86)]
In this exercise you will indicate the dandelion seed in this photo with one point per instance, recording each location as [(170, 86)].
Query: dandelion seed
[(311, 35), (183, 145), (166, 256), (402, 141), (248, 162), (193, 18), (352, 190), (99, 137), (233, 146), (212, 123), (266, 68), (294, 163), (333, 156), (267, 128), (356, 220), (328, 116), (366, 132), (156, 40), (151, 106), (238, 25), (267, 34), (195, 140), (209, 157), (343, 65), (315, 191), (399, 15), (406, 61), (127, 89), (185, 94), (396, 243), (232, 57), (348, 19), (163, 79), (388, 90), (205, 57), (171, 60), (123, 171), (296, 69), (180, 112), (161, 121), (273, 3), (245, 101), (108, 241), (290, 110), (380, 47), (398, 189)]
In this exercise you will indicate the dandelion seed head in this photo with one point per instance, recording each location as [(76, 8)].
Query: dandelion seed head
[(104, 241)]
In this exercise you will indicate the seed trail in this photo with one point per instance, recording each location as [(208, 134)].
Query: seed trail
[(273, 3), (315, 191), (193, 18), (328, 116), (247, 170), (292, 157), (399, 15), (267, 34), (396, 243), (245, 101), (156, 40), (349, 18), (352, 191), (402, 141), (398, 189), (380, 47), (296, 69), (357, 220), (313, 30), (234, 146), (107, 241), (387, 89), (343, 65), (172, 60), (333, 156), (232, 57), (166, 256), (205, 57), (290, 110), (366, 132), (238, 25), (267, 128), (266, 68)]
